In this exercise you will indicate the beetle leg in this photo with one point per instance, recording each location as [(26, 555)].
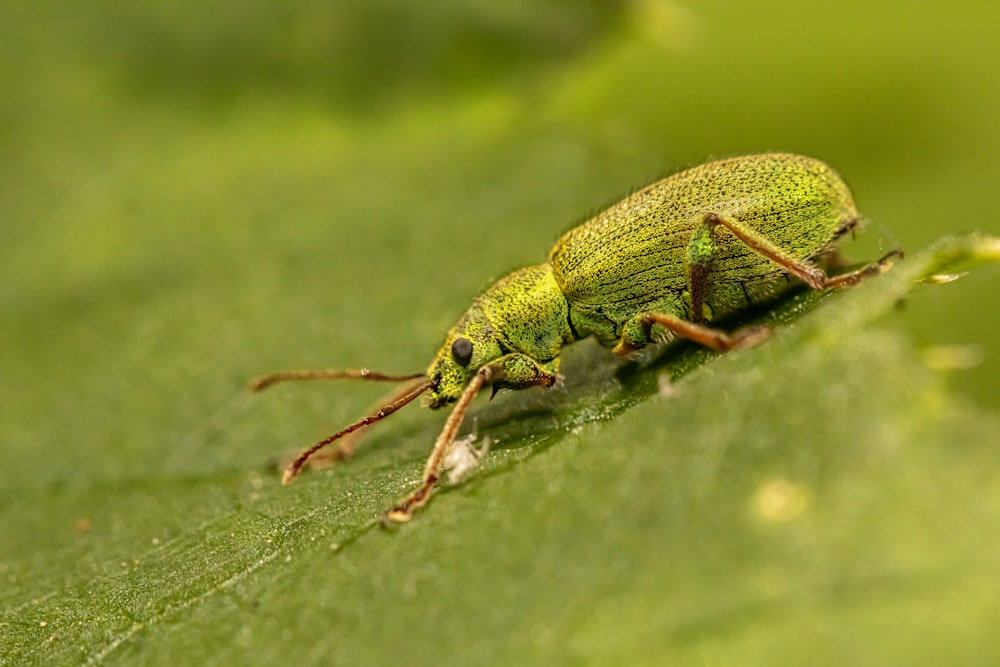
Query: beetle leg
[(873, 269), (808, 273), (517, 371), (715, 339), (701, 252), (805, 271), (403, 511), (637, 333)]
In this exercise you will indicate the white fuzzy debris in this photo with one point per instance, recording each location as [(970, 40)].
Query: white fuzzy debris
[(462, 458), (665, 386)]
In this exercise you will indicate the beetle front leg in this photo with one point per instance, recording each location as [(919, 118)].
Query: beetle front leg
[(403, 511), (516, 371)]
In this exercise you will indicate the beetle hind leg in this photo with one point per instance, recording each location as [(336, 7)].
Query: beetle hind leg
[(807, 272), (701, 253), (872, 269)]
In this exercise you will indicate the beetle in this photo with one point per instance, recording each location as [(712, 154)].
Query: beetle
[(665, 262)]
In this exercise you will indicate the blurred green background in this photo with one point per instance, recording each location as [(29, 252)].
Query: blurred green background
[(194, 194)]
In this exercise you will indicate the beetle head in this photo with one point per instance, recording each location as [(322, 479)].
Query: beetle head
[(470, 345)]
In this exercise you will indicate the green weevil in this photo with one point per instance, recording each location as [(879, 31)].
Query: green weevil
[(695, 247)]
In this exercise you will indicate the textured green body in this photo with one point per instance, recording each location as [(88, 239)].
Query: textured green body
[(642, 256), (632, 258), (696, 246)]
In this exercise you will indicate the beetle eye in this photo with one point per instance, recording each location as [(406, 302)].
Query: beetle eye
[(461, 349)]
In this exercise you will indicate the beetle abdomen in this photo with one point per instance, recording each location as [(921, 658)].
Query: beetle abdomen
[(632, 257)]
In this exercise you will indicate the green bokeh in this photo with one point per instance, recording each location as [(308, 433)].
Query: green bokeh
[(191, 195)]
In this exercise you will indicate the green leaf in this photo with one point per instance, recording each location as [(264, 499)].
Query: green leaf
[(190, 198), (770, 503)]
